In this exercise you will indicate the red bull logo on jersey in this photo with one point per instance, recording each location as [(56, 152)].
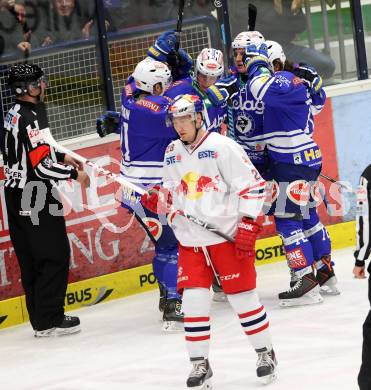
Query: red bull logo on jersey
[(193, 185)]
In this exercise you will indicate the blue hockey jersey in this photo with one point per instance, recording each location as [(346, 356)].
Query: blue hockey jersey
[(318, 102), (214, 116), (145, 134), (286, 118), (247, 117)]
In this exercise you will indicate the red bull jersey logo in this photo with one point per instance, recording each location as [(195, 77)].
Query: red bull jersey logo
[(193, 185)]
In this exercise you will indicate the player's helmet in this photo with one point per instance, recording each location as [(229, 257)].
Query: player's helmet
[(275, 52), (244, 38), (186, 105), (150, 72), (210, 63), (21, 75)]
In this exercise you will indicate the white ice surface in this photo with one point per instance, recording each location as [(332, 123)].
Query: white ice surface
[(122, 347)]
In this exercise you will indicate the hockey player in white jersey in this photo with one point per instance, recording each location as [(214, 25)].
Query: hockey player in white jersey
[(210, 176)]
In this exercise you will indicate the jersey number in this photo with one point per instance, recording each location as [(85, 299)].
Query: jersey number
[(126, 142)]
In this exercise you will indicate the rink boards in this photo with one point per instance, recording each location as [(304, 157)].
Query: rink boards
[(110, 253), (136, 280)]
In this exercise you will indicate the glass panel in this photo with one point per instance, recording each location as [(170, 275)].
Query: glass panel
[(366, 15), (57, 31), (315, 32)]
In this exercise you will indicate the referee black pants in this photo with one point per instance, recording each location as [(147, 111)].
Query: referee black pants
[(43, 255), (364, 377)]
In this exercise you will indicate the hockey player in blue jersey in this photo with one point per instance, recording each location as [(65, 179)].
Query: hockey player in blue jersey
[(145, 134), (295, 163), (314, 230), (245, 112), (209, 67)]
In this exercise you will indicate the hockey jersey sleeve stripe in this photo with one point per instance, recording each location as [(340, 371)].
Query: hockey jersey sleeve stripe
[(362, 221), (293, 147), (254, 197), (54, 171), (288, 150), (260, 186), (259, 87), (38, 154)]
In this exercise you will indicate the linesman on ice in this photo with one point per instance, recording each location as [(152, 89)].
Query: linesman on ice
[(36, 223)]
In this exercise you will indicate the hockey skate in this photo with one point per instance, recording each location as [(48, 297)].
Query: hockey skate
[(219, 295), (266, 365), (69, 325), (305, 291), (200, 376), (173, 316), (326, 277)]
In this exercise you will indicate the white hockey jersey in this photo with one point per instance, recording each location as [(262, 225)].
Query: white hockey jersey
[(215, 181)]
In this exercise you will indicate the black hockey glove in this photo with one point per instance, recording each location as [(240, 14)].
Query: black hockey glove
[(222, 90), (108, 123), (180, 63), (310, 76)]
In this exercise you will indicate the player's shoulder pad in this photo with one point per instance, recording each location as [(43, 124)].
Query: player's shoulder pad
[(179, 87), (226, 143), (220, 141), (171, 147), (291, 78)]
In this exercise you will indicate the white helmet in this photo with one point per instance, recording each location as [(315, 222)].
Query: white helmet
[(210, 63), (149, 72), (244, 38), (275, 52), (186, 105)]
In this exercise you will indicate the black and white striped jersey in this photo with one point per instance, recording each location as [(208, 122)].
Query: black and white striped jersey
[(363, 217), (27, 157)]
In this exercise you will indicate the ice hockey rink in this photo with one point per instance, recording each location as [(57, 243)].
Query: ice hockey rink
[(121, 345)]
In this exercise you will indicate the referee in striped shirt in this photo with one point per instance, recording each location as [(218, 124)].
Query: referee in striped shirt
[(36, 222), (362, 254)]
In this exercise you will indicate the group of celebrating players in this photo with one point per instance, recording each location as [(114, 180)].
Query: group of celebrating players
[(224, 147)]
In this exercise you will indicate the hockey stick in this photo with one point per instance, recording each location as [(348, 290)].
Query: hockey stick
[(225, 30), (341, 185), (253, 11), (179, 24), (127, 186), (329, 209), (225, 27)]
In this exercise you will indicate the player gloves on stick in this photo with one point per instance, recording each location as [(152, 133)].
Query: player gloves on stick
[(164, 50)]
